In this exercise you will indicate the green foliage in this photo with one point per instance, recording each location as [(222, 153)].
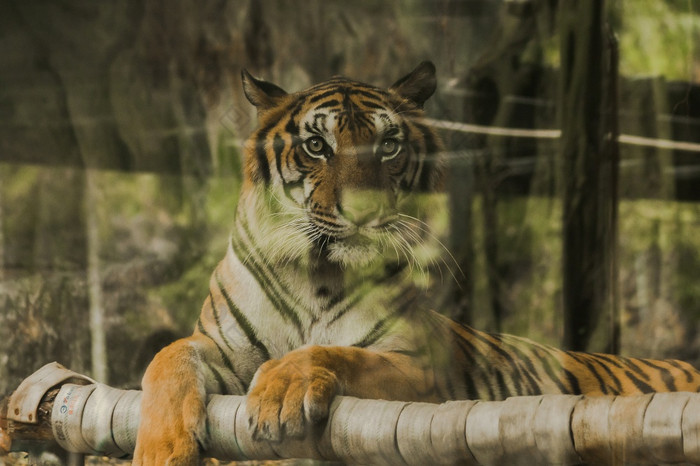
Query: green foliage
[(658, 260), (659, 38), (529, 265), (183, 297)]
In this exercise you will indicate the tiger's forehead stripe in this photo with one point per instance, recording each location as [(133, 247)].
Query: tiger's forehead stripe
[(329, 110), (347, 106), (320, 122)]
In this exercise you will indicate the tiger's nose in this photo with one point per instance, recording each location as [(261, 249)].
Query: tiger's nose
[(363, 206)]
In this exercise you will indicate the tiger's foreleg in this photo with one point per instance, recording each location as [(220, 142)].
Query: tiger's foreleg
[(173, 409), (297, 389)]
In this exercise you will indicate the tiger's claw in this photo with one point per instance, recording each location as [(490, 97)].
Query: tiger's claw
[(289, 395)]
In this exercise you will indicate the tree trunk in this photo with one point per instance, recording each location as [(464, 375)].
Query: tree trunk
[(589, 176)]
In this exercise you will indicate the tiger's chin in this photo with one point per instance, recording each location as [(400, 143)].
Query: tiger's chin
[(353, 254)]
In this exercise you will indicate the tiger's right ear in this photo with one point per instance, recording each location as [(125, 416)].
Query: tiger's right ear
[(262, 94), (418, 85)]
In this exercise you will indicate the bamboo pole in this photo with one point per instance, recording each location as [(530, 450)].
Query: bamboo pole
[(547, 429)]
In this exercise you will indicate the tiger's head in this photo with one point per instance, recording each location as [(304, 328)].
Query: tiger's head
[(338, 163)]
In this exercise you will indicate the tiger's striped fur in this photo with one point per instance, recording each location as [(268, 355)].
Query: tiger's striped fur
[(317, 294)]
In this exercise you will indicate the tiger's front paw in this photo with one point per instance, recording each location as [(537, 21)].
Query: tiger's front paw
[(173, 411), (290, 394), (170, 434)]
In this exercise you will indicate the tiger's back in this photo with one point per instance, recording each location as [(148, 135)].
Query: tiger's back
[(514, 366)]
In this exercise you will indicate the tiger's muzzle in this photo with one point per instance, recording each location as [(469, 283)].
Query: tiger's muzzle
[(370, 208)]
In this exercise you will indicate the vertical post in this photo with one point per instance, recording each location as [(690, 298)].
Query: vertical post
[(612, 151), (461, 194), (75, 459), (98, 345), (588, 173), (2, 236)]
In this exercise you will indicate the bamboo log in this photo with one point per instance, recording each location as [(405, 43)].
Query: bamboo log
[(547, 429)]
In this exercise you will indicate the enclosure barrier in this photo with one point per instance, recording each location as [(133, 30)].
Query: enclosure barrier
[(92, 418)]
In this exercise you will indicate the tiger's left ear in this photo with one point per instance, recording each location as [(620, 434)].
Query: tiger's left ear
[(418, 85), (264, 95)]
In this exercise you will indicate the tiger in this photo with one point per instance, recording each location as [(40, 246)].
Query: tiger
[(321, 291)]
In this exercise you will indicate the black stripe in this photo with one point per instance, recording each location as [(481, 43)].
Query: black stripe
[(468, 350), (243, 322), (371, 104), (264, 276), (615, 361), (515, 369), (641, 385), (503, 390), (215, 313), (356, 294), (223, 389), (678, 365), (373, 335), (517, 376), (546, 361), (418, 165), (534, 385), (530, 370), (379, 329), (348, 306), (601, 383), (369, 92), (485, 365), (450, 387), (617, 389), (573, 382), (261, 156), (278, 146), (328, 225), (222, 354), (299, 157), (291, 126), (328, 103), (632, 365), (323, 95), (666, 375), (288, 190)]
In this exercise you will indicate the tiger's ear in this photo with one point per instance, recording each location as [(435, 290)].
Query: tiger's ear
[(262, 94), (418, 85)]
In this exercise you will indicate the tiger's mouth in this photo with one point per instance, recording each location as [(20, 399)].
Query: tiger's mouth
[(342, 230), (355, 245)]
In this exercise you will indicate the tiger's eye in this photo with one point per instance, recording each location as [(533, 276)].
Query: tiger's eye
[(389, 148), (315, 145)]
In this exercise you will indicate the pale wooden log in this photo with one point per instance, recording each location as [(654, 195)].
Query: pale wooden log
[(413, 436), (662, 426), (549, 429), (127, 412), (691, 430), (590, 428), (371, 441), (552, 427), (447, 433), (223, 419), (626, 422), (250, 450), (516, 433), (482, 433)]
